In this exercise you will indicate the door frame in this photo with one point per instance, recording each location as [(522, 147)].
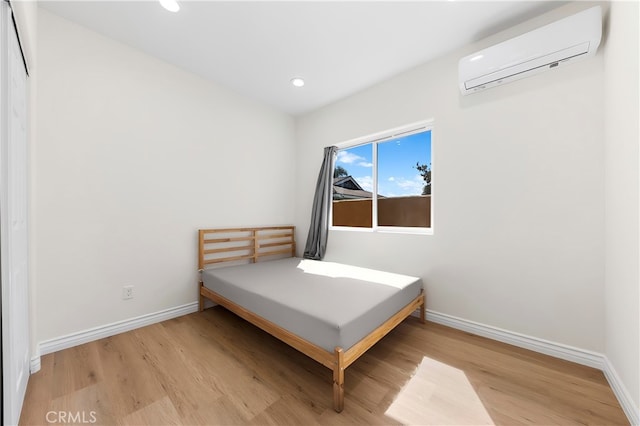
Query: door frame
[(14, 328)]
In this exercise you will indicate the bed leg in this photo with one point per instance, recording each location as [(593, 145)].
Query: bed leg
[(200, 299), (338, 381), (423, 308)]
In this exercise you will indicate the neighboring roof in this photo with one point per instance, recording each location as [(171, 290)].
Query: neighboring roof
[(340, 193), (347, 188), (347, 182)]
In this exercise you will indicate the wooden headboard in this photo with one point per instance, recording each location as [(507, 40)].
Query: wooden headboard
[(217, 246)]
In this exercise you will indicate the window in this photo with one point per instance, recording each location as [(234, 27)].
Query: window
[(383, 182)]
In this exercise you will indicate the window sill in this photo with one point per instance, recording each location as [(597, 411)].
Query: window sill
[(385, 230)]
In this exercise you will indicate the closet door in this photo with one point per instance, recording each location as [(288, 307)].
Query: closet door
[(13, 220)]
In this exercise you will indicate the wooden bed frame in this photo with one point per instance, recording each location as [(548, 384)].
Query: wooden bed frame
[(220, 246)]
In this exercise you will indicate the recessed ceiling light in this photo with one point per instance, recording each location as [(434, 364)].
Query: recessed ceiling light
[(170, 5), (297, 81)]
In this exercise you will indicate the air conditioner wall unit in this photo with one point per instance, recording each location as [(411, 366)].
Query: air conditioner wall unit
[(573, 38)]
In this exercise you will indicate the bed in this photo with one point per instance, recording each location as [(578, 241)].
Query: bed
[(331, 312)]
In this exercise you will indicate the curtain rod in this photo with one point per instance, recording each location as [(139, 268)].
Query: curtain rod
[(15, 28)]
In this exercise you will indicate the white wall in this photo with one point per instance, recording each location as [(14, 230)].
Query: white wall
[(133, 156), (622, 257), (518, 193)]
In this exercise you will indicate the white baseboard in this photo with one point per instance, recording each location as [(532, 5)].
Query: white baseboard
[(34, 367), (621, 392), (557, 350), (85, 336)]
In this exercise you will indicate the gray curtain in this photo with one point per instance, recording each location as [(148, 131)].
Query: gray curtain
[(319, 227)]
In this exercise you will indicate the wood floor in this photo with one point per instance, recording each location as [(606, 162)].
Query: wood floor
[(214, 368)]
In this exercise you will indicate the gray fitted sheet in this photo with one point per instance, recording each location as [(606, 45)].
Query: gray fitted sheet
[(326, 303)]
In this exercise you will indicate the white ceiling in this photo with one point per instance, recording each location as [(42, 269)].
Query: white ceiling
[(339, 48)]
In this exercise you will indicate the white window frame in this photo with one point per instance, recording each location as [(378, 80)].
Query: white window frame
[(374, 139)]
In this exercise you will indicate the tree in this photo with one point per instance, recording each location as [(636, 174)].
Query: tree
[(425, 172), (340, 171)]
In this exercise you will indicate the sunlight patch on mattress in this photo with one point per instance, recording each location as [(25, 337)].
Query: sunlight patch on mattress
[(338, 270)]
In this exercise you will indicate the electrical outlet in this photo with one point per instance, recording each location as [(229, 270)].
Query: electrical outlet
[(127, 292)]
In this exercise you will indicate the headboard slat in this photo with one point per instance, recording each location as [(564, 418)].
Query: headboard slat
[(272, 236), (227, 259), (226, 250), (273, 253), (227, 240)]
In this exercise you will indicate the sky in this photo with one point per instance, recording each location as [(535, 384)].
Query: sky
[(397, 175)]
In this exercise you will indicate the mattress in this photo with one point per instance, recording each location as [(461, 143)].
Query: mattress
[(326, 303)]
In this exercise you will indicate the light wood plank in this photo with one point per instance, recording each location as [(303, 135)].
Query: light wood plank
[(228, 249), (89, 405), (160, 412), (274, 236), (128, 389), (79, 367), (227, 240), (274, 244), (229, 259), (273, 252)]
